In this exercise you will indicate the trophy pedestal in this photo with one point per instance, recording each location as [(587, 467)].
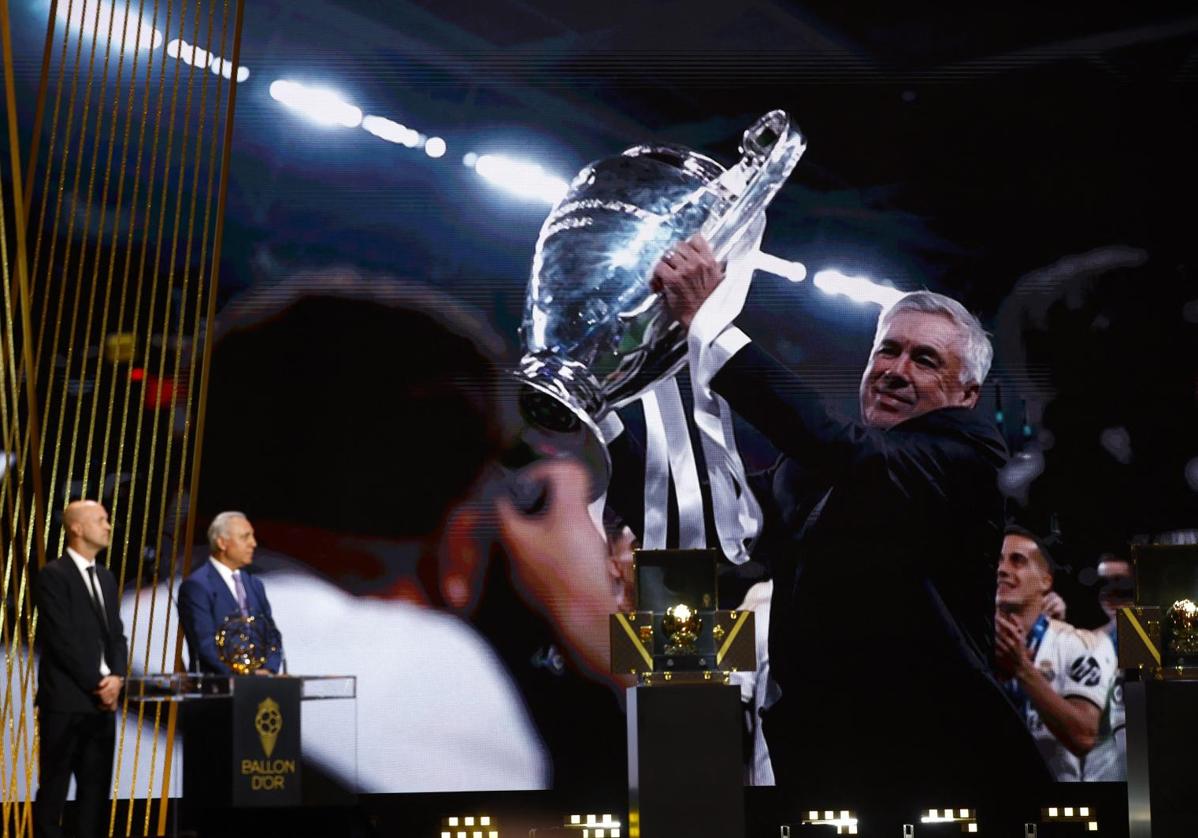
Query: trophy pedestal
[(1162, 727), (685, 755)]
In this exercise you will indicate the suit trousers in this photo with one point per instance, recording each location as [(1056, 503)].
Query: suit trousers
[(81, 744)]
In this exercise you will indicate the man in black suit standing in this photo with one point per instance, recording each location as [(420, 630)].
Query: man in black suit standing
[(881, 629), (84, 658)]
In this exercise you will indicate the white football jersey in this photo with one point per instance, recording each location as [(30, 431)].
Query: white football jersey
[(1076, 663), (1107, 762)]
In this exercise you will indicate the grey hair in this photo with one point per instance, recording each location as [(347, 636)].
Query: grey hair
[(976, 355), (219, 527)]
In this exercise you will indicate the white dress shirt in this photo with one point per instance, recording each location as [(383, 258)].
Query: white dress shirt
[(83, 565), (226, 573)]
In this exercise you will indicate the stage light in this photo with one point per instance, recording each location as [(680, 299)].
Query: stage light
[(90, 18), (319, 104), (389, 130), (434, 147), (857, 288), (188, 54), (845, 822), (785, 268), (953, 814), (469, 159), (527, 180), (224, 67)]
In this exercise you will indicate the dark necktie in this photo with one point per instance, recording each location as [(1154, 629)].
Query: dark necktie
[(96, 601)]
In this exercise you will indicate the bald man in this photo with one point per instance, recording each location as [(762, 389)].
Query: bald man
[(83, 660)]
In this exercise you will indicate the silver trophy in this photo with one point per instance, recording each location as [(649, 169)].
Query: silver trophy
[(595, 336)]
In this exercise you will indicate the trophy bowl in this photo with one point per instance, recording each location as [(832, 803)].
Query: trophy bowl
[(595, 335), (246, 643)]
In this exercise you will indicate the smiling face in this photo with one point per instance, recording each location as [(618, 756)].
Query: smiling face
[(915, 368), (1023, 575)]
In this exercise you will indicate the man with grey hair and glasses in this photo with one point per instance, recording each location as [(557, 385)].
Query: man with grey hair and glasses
[(221, 588), (881, 537)]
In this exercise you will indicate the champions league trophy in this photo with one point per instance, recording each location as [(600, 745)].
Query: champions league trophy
[(595, 336), (245, 644)]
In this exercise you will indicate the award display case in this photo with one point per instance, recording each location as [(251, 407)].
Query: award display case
[(1158, 652), (684, 716)]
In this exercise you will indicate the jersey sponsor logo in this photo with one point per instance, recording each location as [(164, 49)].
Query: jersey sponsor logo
[(1085, 670), (1047, 670)]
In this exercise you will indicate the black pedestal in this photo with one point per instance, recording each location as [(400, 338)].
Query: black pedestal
[(685, 774), (1162, 738)]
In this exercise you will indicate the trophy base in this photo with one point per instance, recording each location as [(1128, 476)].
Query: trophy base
[(557, 422)]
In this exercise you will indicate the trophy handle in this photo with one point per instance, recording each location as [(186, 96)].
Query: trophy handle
[(771, 147)]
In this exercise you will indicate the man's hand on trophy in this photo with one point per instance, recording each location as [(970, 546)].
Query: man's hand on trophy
[(685, 278)]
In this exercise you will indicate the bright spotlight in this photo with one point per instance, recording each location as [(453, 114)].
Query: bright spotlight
[(528, 180), (319, 104), (857, 288), (88, 17), (469, 159), (434, 147), (785, 268), (386, 129)]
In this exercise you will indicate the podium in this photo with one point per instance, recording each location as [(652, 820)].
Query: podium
[(1158, 652), (243, 742), (685, 751)]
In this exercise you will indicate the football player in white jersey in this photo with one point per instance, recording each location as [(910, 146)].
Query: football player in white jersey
[(1108, 760), (1060, 677)]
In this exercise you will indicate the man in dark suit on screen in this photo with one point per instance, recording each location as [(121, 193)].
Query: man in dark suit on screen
[(881, 625), (83, 661), (219, 589)]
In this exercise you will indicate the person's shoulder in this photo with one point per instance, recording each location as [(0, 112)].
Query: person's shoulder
[(1066, 633), (199, 576), (965, 429), (56, 567)]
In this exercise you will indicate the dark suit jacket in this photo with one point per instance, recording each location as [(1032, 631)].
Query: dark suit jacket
[(881, 624), (71, 636), (204, 603)]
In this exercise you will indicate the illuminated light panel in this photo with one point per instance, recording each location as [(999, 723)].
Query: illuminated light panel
[(89, 17), (453, 821), (318, 104), (845, 822), (1092, 826), (1084, 812), (576, 819), (527, 180), (973, 827), (485, 820), (859, 289), (469, 821)]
